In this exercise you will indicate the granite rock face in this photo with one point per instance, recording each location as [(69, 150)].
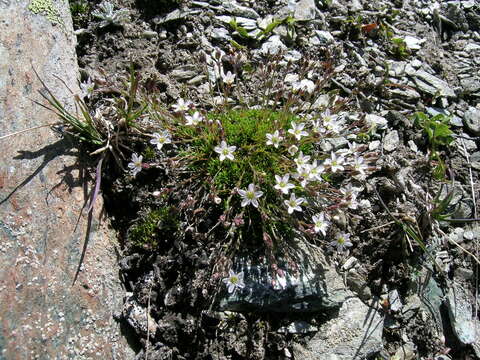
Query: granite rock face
[(42, 191)]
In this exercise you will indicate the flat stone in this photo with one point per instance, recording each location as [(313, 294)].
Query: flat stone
[(459, 304), (220, 34), (432, 85), (324, 37), (391, 141), (470, 85), (355, 333), (42, 194), (314, 286), (305, 10), (471, 120), (232, 7), (273, 45), (394, 301), (405, 352)]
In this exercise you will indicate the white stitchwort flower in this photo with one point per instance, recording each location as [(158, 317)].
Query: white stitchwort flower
[(282, 183), (316, 171), (181, 105), (274, 139), (335, 163), (293, 203), (225, 151), (234, 281), (317, 126), (359, 165), (135, 165), (160, 139), (87, 88), (292, 150), (320, 223), (297, 130), (194, 120), (228, 78), (303, 174), (301, 159), (250, 196), (342, 241)]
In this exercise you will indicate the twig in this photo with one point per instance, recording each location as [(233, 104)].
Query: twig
[(29, 129), (467, 157), (148, 327), (378, 227)]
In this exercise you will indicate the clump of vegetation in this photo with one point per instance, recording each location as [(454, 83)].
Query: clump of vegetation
[(80, 10), (438, 133), (159, 224), (262, 174), (109, 16)]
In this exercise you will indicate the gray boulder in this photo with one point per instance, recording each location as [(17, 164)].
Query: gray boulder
[(44, 315)]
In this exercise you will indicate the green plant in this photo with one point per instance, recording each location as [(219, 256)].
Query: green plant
[(109, 16), (398, 48), (157, 225), (438, 132)]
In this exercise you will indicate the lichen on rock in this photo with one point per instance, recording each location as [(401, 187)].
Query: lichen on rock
[(46, 8)]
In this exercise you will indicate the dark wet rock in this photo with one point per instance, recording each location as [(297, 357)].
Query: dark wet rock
[(314, 286)]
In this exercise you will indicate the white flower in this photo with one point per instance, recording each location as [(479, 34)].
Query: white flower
[(194, 120), (331, 122), (234, 281), (297, 130), (303, 174), (335, 163), (292, 150), (181, 105), (359, 165), (301, 159), (350, 193), (160, 139), (250, 196), (87, 88), (282, 183), (350, 190), (316, 171), (228, 78), (353, 148), (342, 241), (293, 203), (274, 139), (320, 223), (225, 151), (317, 126), (136, 164)]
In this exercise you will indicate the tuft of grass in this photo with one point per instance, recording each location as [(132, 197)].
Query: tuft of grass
[(158, 224)]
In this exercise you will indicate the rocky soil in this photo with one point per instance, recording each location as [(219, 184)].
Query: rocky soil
[(387, 298)]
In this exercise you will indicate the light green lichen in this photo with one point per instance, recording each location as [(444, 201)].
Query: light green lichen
[(46, 8)]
